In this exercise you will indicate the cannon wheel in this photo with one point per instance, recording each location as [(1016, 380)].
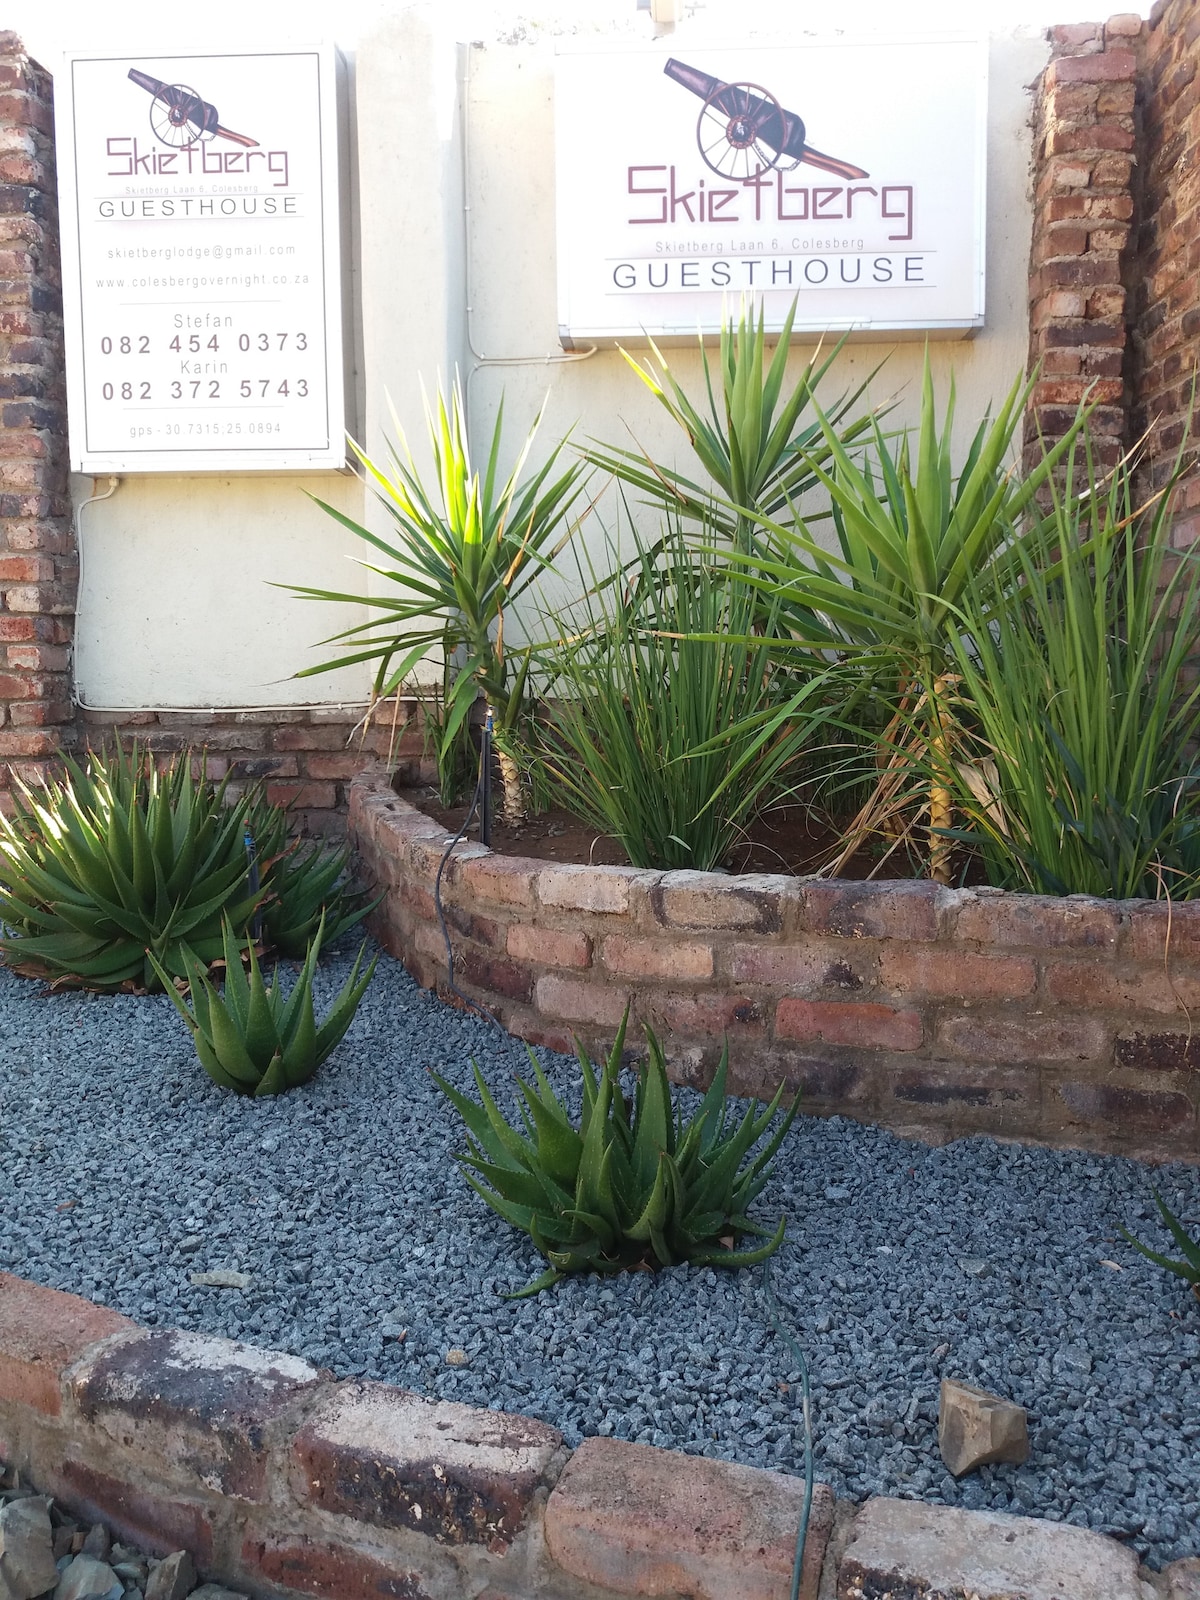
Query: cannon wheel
[(727, 130), (171, 118)]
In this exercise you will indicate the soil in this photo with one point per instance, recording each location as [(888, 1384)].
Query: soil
[(789, 839)]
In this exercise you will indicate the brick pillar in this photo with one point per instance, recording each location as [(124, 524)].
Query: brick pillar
[(1083, 205), (38, 566), (1165, 305)]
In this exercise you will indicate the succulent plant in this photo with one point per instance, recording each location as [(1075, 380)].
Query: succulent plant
[(253, 1040), (117, 859), (631, 1186), (1189, 1268), (106, 873)]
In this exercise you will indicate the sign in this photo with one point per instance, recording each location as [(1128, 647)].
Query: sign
[(201, 261), (847, 175)]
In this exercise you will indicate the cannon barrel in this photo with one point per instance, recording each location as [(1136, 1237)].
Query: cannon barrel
[(145, 81)]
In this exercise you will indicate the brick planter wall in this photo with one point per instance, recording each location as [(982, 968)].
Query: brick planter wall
[(935, 1011), (288, 1484)]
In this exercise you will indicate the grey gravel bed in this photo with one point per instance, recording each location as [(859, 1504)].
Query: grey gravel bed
[(123, 1169)]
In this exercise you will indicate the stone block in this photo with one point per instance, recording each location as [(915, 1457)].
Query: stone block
[(198, 1406), (906, 1548), (1182, 1579), (457, 1474), (634, 1520), (975, 1427)]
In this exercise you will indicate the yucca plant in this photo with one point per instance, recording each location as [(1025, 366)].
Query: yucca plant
[(1188, 1268), (667, 724), (106, 873), (751, 444), (252, 1039), (463, 551), (629, 1187), (913, 535), (1081, 775)]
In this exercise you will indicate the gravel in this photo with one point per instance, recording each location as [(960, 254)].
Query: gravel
[(128, 1177)]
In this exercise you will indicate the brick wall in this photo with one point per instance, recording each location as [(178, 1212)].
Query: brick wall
[(1084, 152), (934, 1011), (290, 1485), (1165, 302), (37, 561)]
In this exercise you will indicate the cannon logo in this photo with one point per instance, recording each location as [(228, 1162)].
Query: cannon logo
[(743, 131), (180, 117), (188, 126)]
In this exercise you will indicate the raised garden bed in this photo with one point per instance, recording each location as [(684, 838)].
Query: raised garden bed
[(928, 1010)]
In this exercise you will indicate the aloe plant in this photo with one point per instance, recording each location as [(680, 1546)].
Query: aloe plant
[(107, 872), (253, 1040), (1188, 1268), (462, 553), (630, 1186)]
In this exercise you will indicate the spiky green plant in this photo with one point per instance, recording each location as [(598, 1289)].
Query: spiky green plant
[(671, 725), (461, 553), (107, 872), (1189, 1267), (304, 883), (750, 440), (627, 1187), (252, 1039)]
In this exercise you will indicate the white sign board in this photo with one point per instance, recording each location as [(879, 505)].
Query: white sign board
[(849, 175), (201, 261)]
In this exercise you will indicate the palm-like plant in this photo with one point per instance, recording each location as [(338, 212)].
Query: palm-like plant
[(912, 536), (462, 552), (757, 456)]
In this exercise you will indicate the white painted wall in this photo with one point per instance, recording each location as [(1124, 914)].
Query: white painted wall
[(175, 607)]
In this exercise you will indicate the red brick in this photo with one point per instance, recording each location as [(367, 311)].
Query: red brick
[(38, 658), (301, 736), (1159, 1052), (711, 1015), (640, 1521), (997, 1097), (496, 976), (394, 1460), (499, 880), (312, 796), (15, 743), (676, 960), (578, 1000), (25, 569), (873, 911), (1029, 1038), (1086, 985), (342, 768), (1161, 933), (158, 1524), (1111, 66), (597, 889), (812, 964), (706, 900), (13, 628), (550, 947), (947, 972), (1076, 36), (839, 1022), (1126, 25), (1038, 922), (42, 1333), (194, 1406), (332, 1571), (1126, 1109)]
